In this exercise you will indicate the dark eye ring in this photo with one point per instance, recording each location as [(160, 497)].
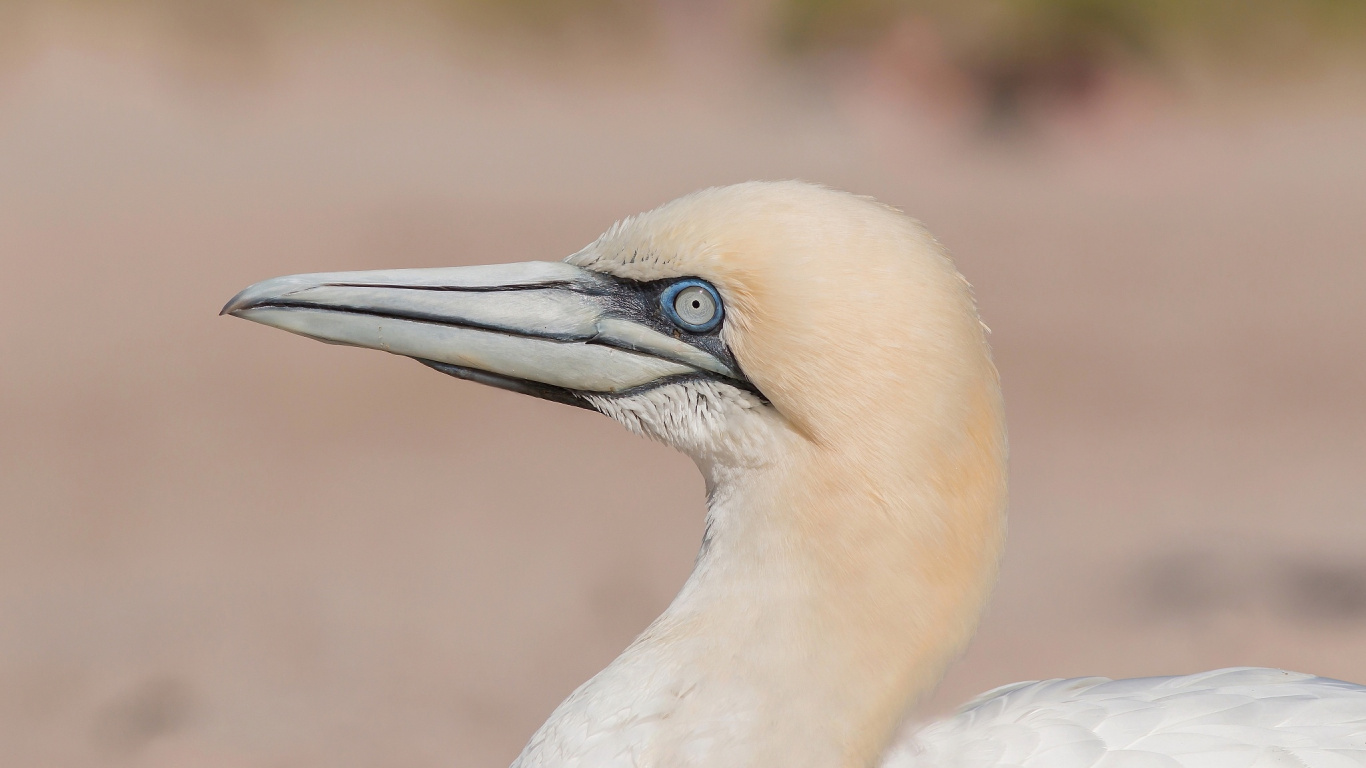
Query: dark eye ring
[(693, 305)]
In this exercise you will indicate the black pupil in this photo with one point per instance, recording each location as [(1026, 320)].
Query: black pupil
[(696, 304)]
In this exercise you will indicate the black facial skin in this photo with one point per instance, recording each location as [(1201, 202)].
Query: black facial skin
[(640, 303)]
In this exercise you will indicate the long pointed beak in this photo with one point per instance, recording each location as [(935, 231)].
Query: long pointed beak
[(547, 329)]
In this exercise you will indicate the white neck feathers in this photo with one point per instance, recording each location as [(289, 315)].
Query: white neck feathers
[(833, 588)]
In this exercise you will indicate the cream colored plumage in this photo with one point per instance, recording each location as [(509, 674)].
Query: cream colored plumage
[(847, 417)]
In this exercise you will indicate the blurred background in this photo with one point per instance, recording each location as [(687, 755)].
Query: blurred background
[(222, 545)]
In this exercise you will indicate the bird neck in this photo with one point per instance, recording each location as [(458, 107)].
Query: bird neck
[(833, 588)]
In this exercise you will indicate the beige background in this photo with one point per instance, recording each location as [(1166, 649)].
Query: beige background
[(224, 545)]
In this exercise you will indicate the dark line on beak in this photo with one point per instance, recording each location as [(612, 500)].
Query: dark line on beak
[(561, 338), (561, 394), (417, 317), (470, 289), (511, 383)]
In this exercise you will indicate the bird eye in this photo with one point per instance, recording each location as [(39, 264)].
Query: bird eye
[(692, 305)]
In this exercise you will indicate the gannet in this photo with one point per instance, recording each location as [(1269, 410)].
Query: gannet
[(821, 359)]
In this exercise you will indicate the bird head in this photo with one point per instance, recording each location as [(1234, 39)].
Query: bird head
[(719, 323)]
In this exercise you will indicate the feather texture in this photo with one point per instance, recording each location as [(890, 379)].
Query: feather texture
[(1228, 718)]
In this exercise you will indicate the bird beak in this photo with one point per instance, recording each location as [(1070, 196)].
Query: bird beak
[(548, 329)]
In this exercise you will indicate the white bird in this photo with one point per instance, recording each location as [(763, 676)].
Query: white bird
[(821, 359)]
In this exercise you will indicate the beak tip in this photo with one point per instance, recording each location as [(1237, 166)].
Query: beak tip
[(235, 305), (260, 293)]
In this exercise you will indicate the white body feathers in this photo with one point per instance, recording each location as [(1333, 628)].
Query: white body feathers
[(1229, 718)]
